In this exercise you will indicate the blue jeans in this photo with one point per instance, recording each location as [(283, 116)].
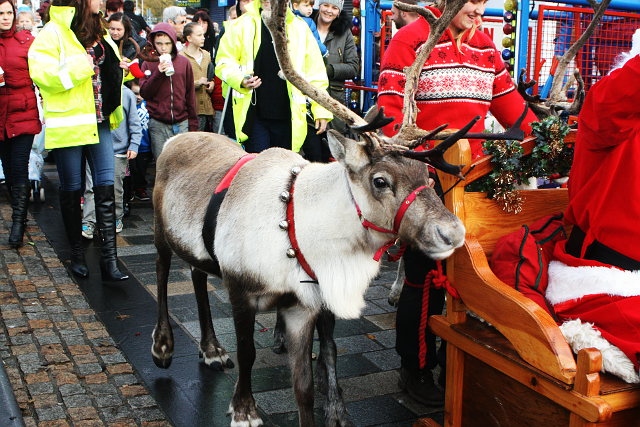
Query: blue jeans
[(269, 133), (70, 162)]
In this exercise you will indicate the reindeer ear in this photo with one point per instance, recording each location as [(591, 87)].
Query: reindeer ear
[(352, 154)]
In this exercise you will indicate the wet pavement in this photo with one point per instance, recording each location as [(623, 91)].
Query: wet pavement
[(187, 393)]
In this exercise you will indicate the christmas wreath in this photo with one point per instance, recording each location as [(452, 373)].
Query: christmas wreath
[(549, 158)]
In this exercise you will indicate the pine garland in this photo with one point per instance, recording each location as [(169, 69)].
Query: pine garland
[(550, 157)]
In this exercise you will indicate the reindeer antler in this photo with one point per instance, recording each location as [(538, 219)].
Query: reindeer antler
[(550, 107)]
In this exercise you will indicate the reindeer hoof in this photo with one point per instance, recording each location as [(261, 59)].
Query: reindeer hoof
[(162, 363), (218, 361)]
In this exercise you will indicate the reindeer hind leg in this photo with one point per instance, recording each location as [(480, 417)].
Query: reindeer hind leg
[(215, 356), (162, 336)]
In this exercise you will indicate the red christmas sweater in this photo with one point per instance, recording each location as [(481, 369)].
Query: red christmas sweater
[(456, 84)]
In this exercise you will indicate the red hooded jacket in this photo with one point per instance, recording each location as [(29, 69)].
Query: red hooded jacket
[(18, 104)]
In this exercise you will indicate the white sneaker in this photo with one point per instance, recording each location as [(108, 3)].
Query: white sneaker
[(119, 226), (87, 231)]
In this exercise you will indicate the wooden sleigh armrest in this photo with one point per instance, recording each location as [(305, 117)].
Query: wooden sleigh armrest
[(532, 332)]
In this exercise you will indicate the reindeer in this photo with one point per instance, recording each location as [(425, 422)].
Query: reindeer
[(313, 249)]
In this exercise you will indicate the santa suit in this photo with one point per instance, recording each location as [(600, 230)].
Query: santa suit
[(604, 204)]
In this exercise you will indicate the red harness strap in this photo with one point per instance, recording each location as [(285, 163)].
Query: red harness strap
[(396, 225), (291, 231), (226, 180)]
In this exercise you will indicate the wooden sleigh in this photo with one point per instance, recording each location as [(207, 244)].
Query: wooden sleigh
[(517, 369)]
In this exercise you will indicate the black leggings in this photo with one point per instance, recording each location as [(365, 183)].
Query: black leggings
[(417, 266), (14, 153)]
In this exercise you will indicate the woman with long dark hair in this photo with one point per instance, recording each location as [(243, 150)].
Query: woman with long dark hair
[(202, 17), (19, 120), (79, 72), (121, 32)]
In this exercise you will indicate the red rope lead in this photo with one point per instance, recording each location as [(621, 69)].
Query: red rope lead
[(438, 280)]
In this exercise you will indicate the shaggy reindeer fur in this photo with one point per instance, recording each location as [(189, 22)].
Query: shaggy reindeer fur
[(250, 247)]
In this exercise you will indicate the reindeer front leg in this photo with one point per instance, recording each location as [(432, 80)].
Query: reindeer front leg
[(300, 323), (334, 409), (162, 347), (243, 406), (214, 355)]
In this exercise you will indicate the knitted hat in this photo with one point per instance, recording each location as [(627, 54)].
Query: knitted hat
[(338, 3)]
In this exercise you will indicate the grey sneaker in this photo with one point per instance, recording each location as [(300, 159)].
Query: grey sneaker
[(87, 231), (419, 384)]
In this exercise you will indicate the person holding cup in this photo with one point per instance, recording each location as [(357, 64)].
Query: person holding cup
[(168, 89), (19, 120)]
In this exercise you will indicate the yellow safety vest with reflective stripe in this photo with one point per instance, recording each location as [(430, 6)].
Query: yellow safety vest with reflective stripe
[(58, 66), (237, 51)]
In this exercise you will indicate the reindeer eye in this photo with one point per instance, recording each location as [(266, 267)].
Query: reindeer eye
[(380, 183)]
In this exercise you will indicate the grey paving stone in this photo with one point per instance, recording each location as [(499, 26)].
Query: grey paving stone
[(101, 389), (77, 401), (21, 339), (356, 344), (385, 359), (126, 379), (150, 414), (113, 413), (71, 389), (379, 410), (29, 363), (112, 359), (104, 401), (145, 401), (40, 388), (89, 368), (386, 337), (51, 413)]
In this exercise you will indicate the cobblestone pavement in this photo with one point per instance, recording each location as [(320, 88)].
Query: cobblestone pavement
[(59, 359), (77, 352)]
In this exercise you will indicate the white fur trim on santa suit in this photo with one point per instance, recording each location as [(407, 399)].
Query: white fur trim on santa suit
[(568, 283), (583, 335)]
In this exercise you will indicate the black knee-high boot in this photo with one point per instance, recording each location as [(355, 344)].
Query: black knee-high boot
[(19, 203), (72, 218), (106, 224)]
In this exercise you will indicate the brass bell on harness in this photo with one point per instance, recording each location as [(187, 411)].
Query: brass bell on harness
[(291, 253), (285, 196), (284, 224)]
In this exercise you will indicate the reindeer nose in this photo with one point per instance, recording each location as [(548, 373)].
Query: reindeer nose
[(444, 237)]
